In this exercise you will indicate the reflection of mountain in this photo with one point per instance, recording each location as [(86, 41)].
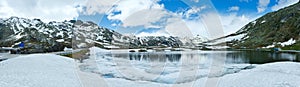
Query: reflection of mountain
[(153, 57), (236, 57), (257, 57)]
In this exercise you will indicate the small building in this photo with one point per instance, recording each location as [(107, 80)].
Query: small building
[(22, 45)]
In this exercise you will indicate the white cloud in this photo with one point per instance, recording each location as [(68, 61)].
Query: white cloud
[(213, 25), (234, 8), (54, 10), (233, 22), (283, 3), (212, 22), (158, 33), (197, 27), (262, 5), (144, 18), (130, 7), (99, 6), (150, 14), (133, 11), (196, 1), (208, 25), (194, 10), (177, 27)]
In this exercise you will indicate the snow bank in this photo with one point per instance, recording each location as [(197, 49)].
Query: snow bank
[(39, 70), (95, 50), (282, 74)]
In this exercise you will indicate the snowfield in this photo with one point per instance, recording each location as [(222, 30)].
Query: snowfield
[(49, 70), (281, 74), (39, 70)]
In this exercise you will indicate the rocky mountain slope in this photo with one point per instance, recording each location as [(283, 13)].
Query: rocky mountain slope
[(39, 36), (276, 29), (53, 36)]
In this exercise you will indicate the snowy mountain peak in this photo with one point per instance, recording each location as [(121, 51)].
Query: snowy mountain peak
[(39, 36)]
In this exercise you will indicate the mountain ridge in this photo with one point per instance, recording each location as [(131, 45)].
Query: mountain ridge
[(40, 37), (278, 29)]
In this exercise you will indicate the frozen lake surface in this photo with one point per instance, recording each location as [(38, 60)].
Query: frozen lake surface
[(192, 68), (154, 69)]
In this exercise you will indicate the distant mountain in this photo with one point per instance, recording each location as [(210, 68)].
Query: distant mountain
[(40, 37), (276, 29), (54, 36)]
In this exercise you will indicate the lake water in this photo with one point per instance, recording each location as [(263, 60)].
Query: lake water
[(229, 57), (177, 67)]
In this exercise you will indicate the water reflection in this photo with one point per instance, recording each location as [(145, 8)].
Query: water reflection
[(150, 57), (258, 57), (234, 57)]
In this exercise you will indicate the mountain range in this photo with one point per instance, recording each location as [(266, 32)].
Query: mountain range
[(276, 29), (40, 37)]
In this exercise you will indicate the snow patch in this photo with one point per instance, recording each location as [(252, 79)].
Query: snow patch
[(270, 46), (112, 46), (281, 74), (19, 36), (253, 22), (60, 40), (289, 42), (237, 37)]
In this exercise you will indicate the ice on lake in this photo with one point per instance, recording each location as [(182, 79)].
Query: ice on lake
[(193, 68)]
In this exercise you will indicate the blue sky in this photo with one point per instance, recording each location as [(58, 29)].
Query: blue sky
[(149, 17), (233, 15)]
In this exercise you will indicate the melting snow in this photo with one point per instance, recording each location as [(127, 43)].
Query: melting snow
[(263, 21), (270, 46), (60, 40), (19, 36), (289, 42), (253, 22)]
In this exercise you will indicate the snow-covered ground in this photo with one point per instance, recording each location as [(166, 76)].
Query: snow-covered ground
[(38, 70), (49, 70), (282, 74), (8, 55)]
